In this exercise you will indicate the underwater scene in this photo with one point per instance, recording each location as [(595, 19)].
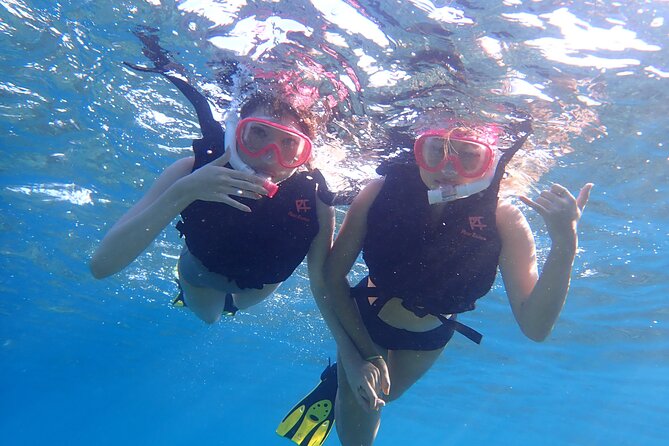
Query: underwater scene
[(97, 98)]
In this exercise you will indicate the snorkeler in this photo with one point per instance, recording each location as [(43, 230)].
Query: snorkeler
[(433, 234), (250, 211)]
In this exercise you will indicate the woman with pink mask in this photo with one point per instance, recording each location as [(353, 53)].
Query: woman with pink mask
[(432, 234), (250, 209)]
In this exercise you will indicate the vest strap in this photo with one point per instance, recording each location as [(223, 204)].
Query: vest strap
[(324, 194), (461, 328)]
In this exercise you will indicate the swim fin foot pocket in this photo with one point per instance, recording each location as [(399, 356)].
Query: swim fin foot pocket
[(309, 423)]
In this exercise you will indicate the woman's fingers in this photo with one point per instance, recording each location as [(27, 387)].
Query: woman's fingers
[(363, 397), (584, 196), (245, 186), (241, 193), (561, 191), (540, 209), (244, 176), (545, 203), (559, 209), (533, 204), (221, 160), (254, 181), (385, 384), (383, 375), (368, 398), (555, 199), (234, 203)]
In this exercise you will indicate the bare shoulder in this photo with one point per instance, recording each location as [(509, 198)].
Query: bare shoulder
[(355, 222), (367, 195), (506, 210), (511, 222)]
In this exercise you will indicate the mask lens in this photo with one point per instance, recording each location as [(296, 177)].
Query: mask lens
[(256, 136), (473, 158), (290, 148), (433, 151)]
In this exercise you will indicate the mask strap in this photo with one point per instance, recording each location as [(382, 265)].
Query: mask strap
[(210, 128), (524, 128)]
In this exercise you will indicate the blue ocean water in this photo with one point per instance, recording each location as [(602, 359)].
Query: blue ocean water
[(110, 362)]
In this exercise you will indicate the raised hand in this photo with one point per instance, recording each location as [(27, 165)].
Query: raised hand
[(560, 210), (215, 182)]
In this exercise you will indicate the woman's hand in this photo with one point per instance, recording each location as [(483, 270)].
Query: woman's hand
[(560, 210), (367, 380), (215, 182)]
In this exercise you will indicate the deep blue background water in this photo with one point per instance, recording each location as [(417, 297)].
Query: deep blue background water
[(109, 362)]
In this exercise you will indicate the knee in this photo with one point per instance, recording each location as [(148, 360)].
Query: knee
[(211, 321), (355, 426), (209, 318), (355, 434)]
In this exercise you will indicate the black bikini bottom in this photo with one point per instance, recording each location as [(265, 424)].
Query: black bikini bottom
[(393, 338)]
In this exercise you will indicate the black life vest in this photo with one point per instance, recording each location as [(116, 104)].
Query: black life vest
[(436, 265), (257, 248)]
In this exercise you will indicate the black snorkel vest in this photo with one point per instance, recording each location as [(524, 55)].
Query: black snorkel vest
[(435, 265)]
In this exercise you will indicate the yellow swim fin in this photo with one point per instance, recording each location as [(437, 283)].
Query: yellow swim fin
[(309, 423)]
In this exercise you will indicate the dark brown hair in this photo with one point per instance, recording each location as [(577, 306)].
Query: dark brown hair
[(277, 107)]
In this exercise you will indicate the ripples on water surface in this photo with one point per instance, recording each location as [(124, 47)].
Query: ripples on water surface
[(82, 136)]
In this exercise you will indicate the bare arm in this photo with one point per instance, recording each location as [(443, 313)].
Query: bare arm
[(172, 192), (318, 252), (344, 253), (368, 376), (537, 299), (320, 248), (138, 227)]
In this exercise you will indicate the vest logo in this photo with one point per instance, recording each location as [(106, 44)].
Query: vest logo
[(301, 206), (476, 223)]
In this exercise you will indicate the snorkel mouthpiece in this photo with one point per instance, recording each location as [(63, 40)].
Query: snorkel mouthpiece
[(451, 193), (270, 187), (448, 193)]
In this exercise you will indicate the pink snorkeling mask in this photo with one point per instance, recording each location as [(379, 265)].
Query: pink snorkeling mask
[(468, 149), (258, 137)]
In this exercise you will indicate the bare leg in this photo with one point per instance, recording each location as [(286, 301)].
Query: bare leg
[(208, 303), (355, 425), (406, 367), (204, 291), (358, 427), (205, 303)]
